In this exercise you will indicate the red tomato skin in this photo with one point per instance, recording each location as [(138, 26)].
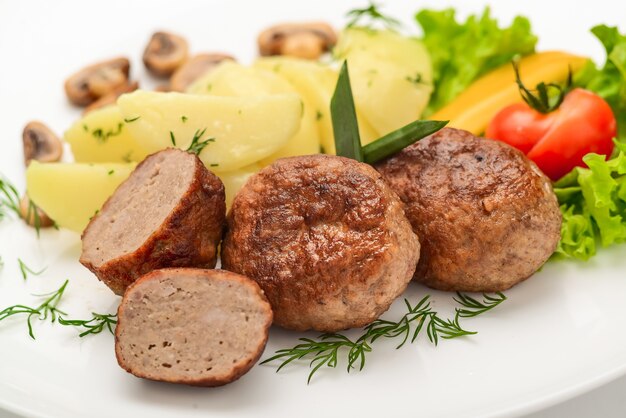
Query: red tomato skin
[(519, 126), (583, 123)]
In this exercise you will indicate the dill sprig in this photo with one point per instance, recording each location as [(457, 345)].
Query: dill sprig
[(372, 14), (102, 136), (48, 310), (197, 144), (25, 270), (9, 198), (95, 325), (10, 202), (33, 213), (326, 348)]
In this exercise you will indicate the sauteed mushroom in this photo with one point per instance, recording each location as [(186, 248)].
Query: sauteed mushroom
[(165, 53), (32, 215), (302, 40), (97, 80), (195, 68), (111, 98), (40, 143)]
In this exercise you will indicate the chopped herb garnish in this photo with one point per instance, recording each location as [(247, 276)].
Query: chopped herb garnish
[(25, 270), (416, 79), (214, 165), (9, 198), (319, 115), (92, 326), (94, 214), (197, 145), (345, 126), (128, 157), (346, 129), (111, 172), (102, 136), (325, 349), (48, 309), (172, 138), (183, 118), (373, 15), (33, 214), (131, 120), (85, 128), (209, 87)]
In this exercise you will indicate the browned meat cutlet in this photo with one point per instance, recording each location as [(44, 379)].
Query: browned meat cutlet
[(326, 239), (486, 215)]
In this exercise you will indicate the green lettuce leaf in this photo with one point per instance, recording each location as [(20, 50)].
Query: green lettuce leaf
[(593, 204), (462, 52), (609, 82)]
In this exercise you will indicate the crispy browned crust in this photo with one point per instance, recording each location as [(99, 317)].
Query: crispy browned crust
[(325, 238), (189, 236), (487, 217), (238, 370)]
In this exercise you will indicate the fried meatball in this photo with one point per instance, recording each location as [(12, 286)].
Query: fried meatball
[(486, 215), (326, 239)]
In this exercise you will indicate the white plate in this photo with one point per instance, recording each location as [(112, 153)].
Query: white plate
[(557, 336)]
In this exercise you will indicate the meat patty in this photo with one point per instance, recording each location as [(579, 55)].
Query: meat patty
[(486, 215), (170, 212), (326, 239), (192, 326)]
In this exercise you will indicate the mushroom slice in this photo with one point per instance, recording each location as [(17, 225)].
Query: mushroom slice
[(163, 88), (97, 80), (40, 143), (165, 53), (194, 68), (32, 215), (111, 98), (301, 40)]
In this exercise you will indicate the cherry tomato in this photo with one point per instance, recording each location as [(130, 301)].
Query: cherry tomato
[(558, 140)]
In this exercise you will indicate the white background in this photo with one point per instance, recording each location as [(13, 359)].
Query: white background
[(41, 43)]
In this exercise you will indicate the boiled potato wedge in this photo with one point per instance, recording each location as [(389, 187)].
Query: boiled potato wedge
[(316, 83), (103, 136), (71, 193), (234, 180), (386, 45), (387, 99), (235, 80), (240, 130), (391, 76)]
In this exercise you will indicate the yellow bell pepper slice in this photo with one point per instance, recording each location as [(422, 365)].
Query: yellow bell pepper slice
[(473, 109)]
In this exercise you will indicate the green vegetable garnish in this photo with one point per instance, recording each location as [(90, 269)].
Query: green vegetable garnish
[(593, 203), (462, 52), (197, 144), (373, 15), (9, 198), (400, 139), (346, 128), (325, 349), (48, 310), (345, 125), (25, 270), (609, 82)]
